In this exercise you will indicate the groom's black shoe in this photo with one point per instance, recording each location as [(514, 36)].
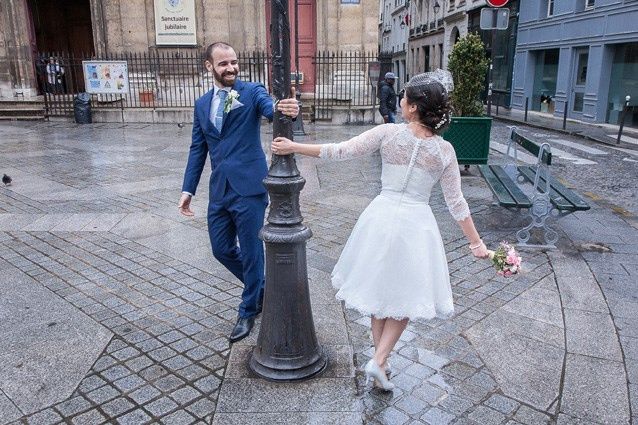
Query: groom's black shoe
[(242, 328)]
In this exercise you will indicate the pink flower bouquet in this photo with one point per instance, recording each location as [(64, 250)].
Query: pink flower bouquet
[(506, 260)]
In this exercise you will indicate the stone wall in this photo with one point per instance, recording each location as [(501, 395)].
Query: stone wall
[(129, 26), (347, 26), (16, 61)]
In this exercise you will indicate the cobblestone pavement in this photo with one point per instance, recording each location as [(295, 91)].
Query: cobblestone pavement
[(112, 309)]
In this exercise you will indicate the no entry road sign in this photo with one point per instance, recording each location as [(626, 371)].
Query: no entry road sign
[(497, 3)]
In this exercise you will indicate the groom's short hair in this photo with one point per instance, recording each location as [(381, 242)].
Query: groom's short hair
[(216, 45)]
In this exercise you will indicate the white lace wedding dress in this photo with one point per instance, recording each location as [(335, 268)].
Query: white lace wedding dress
[(394, 263)]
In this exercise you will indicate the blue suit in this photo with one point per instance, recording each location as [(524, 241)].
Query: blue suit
[(237, 196)]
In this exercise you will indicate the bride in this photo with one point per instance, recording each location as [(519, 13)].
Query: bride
[(393, 266)]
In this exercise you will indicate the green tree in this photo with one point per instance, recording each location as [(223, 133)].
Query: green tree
[(468, 65)]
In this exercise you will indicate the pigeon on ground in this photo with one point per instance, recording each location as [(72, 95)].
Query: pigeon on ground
[(180, 125), (6, 180)]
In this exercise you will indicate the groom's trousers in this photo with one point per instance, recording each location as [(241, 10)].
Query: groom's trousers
[(234, 218)]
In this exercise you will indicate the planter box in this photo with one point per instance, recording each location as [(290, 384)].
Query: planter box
[(147, 97), (470, 137)]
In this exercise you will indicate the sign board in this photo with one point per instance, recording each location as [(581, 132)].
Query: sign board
[(175, 23), (104, 77), (496, 3), (494, 19)]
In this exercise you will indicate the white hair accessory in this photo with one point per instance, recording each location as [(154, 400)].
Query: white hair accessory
[(441, 76)]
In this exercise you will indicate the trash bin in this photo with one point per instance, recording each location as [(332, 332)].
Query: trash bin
[(82, 108)]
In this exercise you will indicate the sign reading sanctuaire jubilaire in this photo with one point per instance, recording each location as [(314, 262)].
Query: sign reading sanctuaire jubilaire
[(175, 23)]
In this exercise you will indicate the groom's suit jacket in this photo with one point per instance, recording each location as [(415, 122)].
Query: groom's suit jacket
[(236, 155)]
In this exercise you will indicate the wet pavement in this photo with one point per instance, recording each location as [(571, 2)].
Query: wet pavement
[(113, 310)]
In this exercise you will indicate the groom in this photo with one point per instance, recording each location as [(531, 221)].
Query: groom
[(226, 127)]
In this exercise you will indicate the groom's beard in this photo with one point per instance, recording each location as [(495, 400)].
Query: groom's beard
[(226, 78)]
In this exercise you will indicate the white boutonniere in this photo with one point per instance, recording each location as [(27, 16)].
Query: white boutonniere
[(232, 102)]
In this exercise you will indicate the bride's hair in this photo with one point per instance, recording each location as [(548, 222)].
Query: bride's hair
[(432, 103)]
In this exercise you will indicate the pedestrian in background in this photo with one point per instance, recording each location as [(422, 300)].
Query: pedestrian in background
[(388, 98), (393, 266), (55, 76)]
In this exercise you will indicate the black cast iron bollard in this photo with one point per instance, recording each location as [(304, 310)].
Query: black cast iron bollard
[(565, 115), (287, 347), (622, 118), (526, 106)]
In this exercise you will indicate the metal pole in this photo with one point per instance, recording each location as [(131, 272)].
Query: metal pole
[(287, 347), (490, 85), (565, 115), (622, 118), (526, 106), (297, 125), (498, 101)]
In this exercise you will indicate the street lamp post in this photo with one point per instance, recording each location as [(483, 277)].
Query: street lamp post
[(287, 347), (297, 126), (436, 8)]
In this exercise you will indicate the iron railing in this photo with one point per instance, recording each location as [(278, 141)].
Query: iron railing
[(162, 80), (156, 80), (343, 81)]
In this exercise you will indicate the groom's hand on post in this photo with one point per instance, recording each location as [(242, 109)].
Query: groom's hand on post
[(289, 106), (185, 205)]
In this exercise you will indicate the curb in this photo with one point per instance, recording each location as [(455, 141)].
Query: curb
[(568, 132)]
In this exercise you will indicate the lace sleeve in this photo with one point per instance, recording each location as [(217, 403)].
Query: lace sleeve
[(451, 185), (366, 142)]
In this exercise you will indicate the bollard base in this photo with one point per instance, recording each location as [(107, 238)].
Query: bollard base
[(283, 374)]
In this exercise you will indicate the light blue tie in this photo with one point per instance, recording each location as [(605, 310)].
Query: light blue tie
[(219, 116)]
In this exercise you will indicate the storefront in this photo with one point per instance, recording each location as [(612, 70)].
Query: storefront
[(545, 78), (578, 60), (501, 53), (623, 82)]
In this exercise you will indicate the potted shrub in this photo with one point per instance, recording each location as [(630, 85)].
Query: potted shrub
[(469, 131), (146, 93)]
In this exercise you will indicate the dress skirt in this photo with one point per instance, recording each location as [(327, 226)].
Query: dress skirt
[(394, 264)]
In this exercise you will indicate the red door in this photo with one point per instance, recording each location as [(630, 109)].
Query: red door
[(307, 39)]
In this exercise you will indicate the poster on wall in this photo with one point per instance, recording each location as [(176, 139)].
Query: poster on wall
[(104, 77), (175, 23)]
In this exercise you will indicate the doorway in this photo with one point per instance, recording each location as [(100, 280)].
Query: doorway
[(61, 28), (581, 57), (307, 40)]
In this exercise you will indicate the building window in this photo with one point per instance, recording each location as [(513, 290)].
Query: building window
[(550, 8), (581, 77), (623, 82), (589, 3)]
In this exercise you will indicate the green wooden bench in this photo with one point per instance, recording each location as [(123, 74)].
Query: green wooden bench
[(547, 196)]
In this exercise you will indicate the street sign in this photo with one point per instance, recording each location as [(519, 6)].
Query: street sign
[(494, 19), (497, 3)]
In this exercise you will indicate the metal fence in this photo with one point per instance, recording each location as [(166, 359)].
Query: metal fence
[(343, 82), (175, 80), (156, 80)]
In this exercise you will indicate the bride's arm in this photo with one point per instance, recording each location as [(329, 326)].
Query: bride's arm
[(366, 142), (451, 186)]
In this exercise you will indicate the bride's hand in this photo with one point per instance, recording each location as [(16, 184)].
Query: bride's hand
[(481, 251), (283, 146)]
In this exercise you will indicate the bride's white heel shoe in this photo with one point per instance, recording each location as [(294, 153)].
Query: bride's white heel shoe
[(374, 372)]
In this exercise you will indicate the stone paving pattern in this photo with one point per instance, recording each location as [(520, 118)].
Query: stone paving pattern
[(113, 310)]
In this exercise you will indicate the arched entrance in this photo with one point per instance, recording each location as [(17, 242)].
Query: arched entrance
[(61, 28), (455, 35), (62, 25)]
